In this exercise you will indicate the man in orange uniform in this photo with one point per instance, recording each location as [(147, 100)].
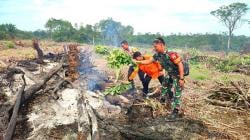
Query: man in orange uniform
[(152, 71)]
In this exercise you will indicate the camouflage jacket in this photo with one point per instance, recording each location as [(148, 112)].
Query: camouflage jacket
[(169, 61)]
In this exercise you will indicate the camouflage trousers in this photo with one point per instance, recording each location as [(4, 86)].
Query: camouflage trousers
[(172, 89)]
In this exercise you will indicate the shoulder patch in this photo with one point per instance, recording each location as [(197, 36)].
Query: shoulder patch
[(174, 57)]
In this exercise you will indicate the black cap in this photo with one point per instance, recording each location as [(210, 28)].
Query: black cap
[(159, 40), (124, 42)]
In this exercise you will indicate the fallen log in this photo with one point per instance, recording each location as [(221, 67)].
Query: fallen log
[(27, 94), (34, 88), (83, 121), (12, 124), (28, 74), (94, 123)]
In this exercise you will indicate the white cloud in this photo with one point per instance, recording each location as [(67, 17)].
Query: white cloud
[(164, 16)]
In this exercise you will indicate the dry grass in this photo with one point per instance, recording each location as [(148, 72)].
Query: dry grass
[(27, 52), (232, 122)]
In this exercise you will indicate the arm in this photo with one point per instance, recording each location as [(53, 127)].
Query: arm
[(144, 61), (134, 73), (181, 70), (176, 59)]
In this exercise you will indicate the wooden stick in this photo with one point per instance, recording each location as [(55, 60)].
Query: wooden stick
[(34, 88), (12, 124), (220, 103), (94, 123), (83, 120), (241, 95)]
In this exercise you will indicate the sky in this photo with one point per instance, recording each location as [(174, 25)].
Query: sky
[(162, 16)]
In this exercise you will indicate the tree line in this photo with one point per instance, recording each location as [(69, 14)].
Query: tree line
[(111, 32)]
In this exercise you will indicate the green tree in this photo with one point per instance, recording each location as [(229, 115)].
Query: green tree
[(51, 25), (8, 30), (60, 30), (41, 34), (231, 16)]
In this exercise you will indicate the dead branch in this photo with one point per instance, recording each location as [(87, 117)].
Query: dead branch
[(28, 74), (12, 124), (3, 64), (34, 88), (83, 120), (241, 96), (38, 50), (59, 86), (220, 103), (94, 123)]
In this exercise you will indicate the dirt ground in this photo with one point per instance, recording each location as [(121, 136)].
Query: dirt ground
[(229, 123)]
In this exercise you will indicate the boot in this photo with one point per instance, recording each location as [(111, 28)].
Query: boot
[(174, 115)]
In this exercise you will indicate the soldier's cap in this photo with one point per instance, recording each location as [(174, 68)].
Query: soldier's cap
[(124, 42), (159, 40)]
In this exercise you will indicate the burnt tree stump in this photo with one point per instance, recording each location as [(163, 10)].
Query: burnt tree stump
[(38, 50)]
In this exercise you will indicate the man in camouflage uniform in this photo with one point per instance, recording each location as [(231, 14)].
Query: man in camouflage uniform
[(174, 81)]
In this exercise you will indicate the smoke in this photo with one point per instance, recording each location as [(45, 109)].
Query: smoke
[(112, 33), (92, 77)]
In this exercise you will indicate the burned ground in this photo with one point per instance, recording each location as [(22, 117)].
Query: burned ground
[(46, 117)]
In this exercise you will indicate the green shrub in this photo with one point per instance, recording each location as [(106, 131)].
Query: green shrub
[(10, 45), (231, 63), (194, 52), (101, 50), (117, 58), (246, 59), (118, 89)]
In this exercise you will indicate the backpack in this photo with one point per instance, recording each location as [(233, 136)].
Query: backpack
[(186, 67), (184, 62)]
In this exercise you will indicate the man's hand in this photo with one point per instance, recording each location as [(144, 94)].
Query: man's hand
[(135, 61), (161, 73), (182, 82)]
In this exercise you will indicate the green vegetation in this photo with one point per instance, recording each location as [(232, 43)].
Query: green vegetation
[(117, 59), (10, 45), (9, 31), (199, 73), (230, 16), (194, 52), (110, 32), (103, 50), (233, 62), (118, 89)]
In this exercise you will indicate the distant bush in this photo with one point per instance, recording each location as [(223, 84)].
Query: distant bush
[(231, 63), (10, 45), (194, 52), (101, 50)]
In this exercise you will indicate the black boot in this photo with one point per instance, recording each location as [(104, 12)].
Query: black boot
[(174, 115)]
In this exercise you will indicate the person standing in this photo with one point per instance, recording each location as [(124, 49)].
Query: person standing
[(130, 51)]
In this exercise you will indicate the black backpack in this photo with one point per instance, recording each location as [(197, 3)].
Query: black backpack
[(184, 62), (186, 67)]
